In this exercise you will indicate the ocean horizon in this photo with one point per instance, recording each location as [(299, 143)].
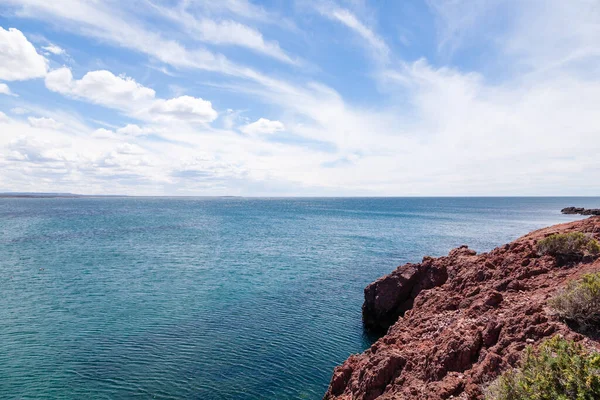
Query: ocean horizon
[(215, 297)]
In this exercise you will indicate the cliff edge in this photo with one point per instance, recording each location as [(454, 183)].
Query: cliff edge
[(454, 323)]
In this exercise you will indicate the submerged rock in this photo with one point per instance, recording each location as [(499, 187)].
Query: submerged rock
[(455, 323)]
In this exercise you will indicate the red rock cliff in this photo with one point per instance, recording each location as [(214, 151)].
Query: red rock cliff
[(456, 322)]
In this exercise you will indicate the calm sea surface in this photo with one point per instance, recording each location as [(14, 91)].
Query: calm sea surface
[(213, 298)]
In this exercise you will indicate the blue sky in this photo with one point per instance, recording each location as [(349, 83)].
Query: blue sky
[(298, 97)]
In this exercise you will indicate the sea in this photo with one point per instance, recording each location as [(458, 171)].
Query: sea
[(214, 298)]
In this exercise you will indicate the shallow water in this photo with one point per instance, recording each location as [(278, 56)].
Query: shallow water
[(228, 298)]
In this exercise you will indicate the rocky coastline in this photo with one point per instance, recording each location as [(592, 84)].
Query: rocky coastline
[(452, 324)]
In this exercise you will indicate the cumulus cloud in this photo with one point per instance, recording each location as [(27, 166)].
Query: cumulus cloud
[(263, 126), (129, 130), (45, 123), (76, 163), (27, 148), (184, 108), (100, 87), (132, 129), (41, 156), (4, 89), (124, 93), (18, 58), (3, 117), (129, 148)]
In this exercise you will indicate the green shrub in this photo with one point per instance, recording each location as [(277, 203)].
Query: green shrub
[(580, 301), (558, 369), (568, 244)]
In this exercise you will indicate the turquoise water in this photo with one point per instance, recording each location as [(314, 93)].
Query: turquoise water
[(213, 298)]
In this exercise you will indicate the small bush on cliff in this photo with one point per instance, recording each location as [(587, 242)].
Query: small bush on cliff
[(580, 301), (558, 369), (569, 244)]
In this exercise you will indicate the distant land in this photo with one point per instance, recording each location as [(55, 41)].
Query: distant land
[(50, 195), (36, 195)]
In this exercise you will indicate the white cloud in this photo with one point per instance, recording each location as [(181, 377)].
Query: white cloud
[(116, 23), (27, 148), (226, 32), (4, 89), (100, 87), (132, 130), (435, 130), (263, 126), (18, 58), (538, 45), (531, 41), (124, 93), (108, 21), (43, 122), (85, 162), (123, 133), (229, 118), (54, 49), (374, 42), (19, 111), (3, 117), (185, 108), (457, 20), (103, 133), (77, 163), (206, 167), (234, 33), (129, 148), (241, 8)]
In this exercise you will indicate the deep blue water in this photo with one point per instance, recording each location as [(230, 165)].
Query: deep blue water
[(213, 298)]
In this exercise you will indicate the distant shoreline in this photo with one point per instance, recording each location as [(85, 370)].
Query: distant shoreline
[(50, 196), (90, 196)]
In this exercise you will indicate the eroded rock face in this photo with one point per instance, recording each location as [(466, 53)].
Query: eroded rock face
[(456, 322), (390, 296)]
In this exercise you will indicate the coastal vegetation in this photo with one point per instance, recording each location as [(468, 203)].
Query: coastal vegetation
[(572, 244), (580, 301), (559, 369)]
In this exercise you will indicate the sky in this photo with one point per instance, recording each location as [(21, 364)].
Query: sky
[(300, 97)]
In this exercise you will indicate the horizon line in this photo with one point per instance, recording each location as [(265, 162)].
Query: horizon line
[(78, 195)]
